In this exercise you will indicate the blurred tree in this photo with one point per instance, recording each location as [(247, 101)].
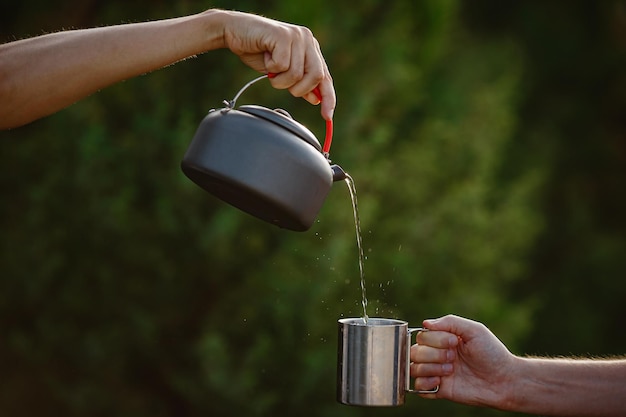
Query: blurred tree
[(573, 109)]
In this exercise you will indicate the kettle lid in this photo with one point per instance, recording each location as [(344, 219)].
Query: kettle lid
[(284, 120)]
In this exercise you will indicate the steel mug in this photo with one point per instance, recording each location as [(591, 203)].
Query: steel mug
[(373, 362)]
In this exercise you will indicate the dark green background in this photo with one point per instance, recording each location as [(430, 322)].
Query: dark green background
[(487, 141)]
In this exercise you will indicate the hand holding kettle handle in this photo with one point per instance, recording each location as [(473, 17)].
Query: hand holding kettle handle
[(328, 138)]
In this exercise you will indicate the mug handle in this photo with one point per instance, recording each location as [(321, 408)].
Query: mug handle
[(408, 364)]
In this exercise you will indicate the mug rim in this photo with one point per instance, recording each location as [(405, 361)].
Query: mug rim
[(372, 322)]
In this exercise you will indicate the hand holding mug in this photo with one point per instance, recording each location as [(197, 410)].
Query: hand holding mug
[(464, 358)]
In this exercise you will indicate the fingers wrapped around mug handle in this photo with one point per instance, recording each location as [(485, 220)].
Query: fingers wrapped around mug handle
[(408, 364)]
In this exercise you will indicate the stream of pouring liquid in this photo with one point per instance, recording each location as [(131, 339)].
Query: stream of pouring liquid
[(359, 242)]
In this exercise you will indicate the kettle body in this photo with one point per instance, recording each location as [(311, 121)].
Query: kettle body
[(262, 162)]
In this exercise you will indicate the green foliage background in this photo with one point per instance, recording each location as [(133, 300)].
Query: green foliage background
[(488, 145)]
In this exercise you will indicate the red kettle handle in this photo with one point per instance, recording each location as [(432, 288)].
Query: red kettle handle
[(328, 138)]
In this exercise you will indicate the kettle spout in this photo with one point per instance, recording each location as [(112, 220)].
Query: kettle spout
[(338, 173)]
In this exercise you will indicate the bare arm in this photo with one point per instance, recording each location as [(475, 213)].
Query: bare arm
[(42, 75), (569, 387), (473, 367)]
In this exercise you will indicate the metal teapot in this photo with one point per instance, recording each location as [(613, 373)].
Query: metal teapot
[(263, 162)]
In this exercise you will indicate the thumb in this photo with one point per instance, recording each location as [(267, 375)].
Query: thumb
[(460, 326), (267, 59), (276, 62)]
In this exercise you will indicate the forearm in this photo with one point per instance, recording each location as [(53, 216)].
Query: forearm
[(565, 387), (41, 75)]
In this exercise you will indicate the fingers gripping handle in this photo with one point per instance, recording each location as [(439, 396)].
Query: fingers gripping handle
[(408, 364), (328, 139), (316, 90)]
